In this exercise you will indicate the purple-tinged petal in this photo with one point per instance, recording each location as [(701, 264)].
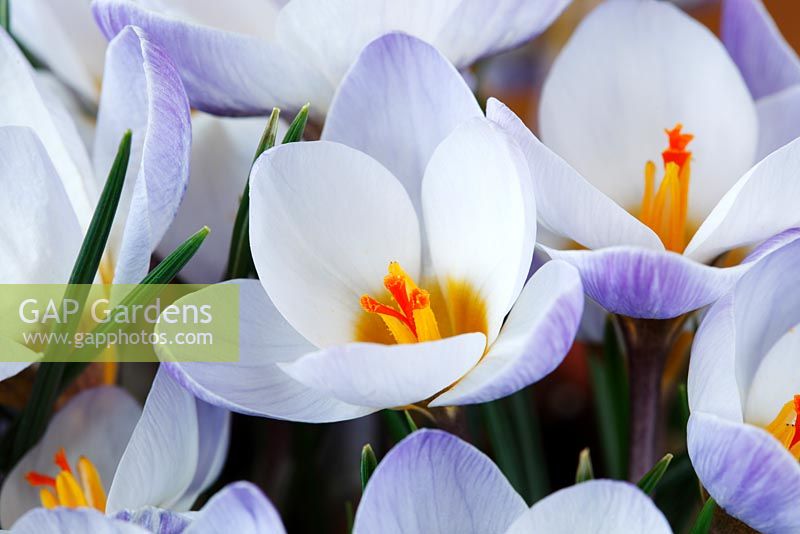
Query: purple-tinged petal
[(533, 341), (224, 72), (778, 120), (213, 434), (398, 101), (254, 384), (772, 244), (155, 520), (388, 376), (648, 284), (594, 506), (73, 521), (239, 507), (747, 471), (143, 92), (160, 460), (434, 482), (567, 204), (752, 38), (96, 423), (763, 307)]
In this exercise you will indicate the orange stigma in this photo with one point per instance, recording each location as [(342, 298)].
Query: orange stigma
[(665, 210), (65, 490), (411, 319), (786, 428)]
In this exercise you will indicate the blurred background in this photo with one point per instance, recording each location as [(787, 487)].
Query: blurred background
[(311, 472)]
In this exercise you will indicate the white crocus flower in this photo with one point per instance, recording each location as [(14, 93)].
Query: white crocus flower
[(103, 451), (393, 257), (631, 70)]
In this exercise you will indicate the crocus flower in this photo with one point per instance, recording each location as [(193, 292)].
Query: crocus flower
[(434, 482), (744, 395), (103, 451), (362, 306), (239, 507), (770, 68), (632, 70), (246, 57), (51, 186)]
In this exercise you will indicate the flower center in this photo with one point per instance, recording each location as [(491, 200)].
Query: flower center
[(785, 426), (411, 318), (664, 210), (65, 490)]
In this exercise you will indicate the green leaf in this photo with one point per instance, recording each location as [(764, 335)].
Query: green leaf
[(368, 464), (683, 405), (410, 421), (503, 444), (651, 479), (703, 523), (240, 258), (349, 516), (297, 127), (5, 15), (398, 429), (36, 414), (585, 470), (610, 388), (526, 423), (147, 290)]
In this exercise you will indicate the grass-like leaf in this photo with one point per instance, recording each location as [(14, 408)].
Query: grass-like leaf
[(650, 480), (368, 464), (585, 470)]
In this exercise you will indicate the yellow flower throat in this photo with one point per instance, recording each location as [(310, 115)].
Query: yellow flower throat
[(786, 426), (664, 210), (65, 490)]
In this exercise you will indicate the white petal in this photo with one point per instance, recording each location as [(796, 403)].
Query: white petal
[(388, 376), (222, 152), (325, 222), (254, 384), (761, 204), (96, 423), (778, 116), (776, 380), (566, 203), (160, 460), (65, 37), (41, 235), (475, 216), (252, 17), (534, 339), (631, 69), (595, 506), (24, 105)]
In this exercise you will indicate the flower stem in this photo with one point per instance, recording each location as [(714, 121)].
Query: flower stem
[(647, 344)]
